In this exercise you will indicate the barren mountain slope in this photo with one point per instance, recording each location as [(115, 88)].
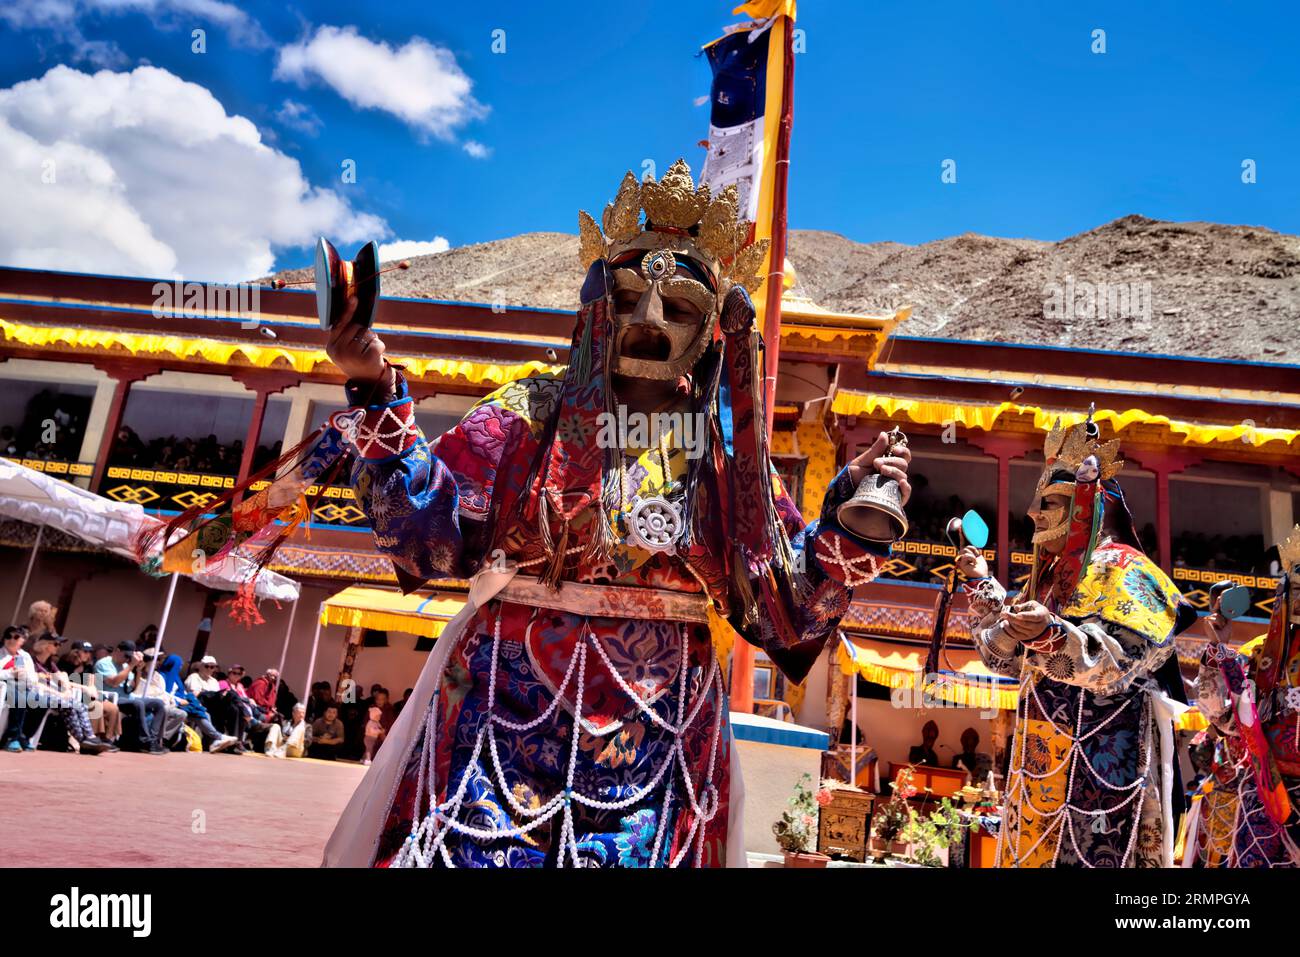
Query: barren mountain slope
[(1204, 289)]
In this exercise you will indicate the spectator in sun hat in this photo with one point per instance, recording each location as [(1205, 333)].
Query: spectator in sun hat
[(166, 684), (222, 703)]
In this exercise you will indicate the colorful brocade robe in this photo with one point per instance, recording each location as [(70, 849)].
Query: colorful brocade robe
[(1235, 827), (575, 736), (1090, 775)]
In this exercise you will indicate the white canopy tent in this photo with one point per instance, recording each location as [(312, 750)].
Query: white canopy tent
[(47, 502)]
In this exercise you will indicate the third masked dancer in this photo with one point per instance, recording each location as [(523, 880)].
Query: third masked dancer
[(1093, 775)]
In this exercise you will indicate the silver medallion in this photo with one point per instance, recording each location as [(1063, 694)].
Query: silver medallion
[(655, 525)]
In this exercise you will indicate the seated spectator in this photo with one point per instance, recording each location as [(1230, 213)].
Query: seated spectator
[(327, 735), (318, 700), (104, 716), (40, 621), (379, 699), (54, 691), (17, 671), (148, 637), (152, 687), (254, 717), (264, 692), (143, 719), (293, 738), (406, 696), (167, 684), (221, 703)]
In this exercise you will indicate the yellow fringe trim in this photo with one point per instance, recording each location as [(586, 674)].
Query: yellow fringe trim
[(262, 357), (984, 417)]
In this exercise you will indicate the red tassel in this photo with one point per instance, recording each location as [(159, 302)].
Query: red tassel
[(243, 607), (192, 519)]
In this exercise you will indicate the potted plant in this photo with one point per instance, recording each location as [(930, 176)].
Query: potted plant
[(930, 835), (796, 831), (890, 821)]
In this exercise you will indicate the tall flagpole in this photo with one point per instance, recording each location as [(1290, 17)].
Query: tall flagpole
[(780, 220), (742, 654)]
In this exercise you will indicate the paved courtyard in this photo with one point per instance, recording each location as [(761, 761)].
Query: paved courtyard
[(177, 810)]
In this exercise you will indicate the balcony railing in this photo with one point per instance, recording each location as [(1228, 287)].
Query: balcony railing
[(58, 468), (169, 491), (917, 560)]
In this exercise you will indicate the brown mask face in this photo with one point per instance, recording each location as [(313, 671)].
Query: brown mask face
[(663, 320)]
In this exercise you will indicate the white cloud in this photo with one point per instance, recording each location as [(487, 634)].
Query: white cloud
[(476, 149), (408, 248), (419, 82), (151, 177), (64, 19), (300, 117)]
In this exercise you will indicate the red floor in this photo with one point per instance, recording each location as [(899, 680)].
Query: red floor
[(177, 810)]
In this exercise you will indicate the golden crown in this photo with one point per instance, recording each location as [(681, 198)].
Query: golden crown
[(1289, 551), (1066, 448), (678, 214)]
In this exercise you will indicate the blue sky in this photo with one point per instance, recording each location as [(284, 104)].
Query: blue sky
[(1049, 138)]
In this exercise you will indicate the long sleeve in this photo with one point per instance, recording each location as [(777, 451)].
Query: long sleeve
[(1213, 697), (828, 564), (999, 651), (1089, 652), (428, 502), (1095, 654)]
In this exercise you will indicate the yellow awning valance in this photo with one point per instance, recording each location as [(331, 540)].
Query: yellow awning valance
[(262, 357), (985, 417), (964, 679), (416, 614)]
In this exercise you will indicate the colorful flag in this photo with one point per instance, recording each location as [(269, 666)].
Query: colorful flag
[(751, 108)]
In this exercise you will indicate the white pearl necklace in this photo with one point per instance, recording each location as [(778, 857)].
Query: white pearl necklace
[(1059, 822), (428, 835)]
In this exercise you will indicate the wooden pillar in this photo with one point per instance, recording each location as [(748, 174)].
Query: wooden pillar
[(1164, 533), (253, 435), (111, 425), (1004, 449), (742, 676), (351, 648), (66, 593), (1004, 516), (204, 631)]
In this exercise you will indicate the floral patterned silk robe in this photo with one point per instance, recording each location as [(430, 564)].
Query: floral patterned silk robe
[(434, 509)]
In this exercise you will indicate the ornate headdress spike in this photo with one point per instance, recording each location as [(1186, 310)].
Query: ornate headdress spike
[(721, 232), (1064, 450), (678, 214), (1289, 551), (623, 216), (591, 244), (674, 200)]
